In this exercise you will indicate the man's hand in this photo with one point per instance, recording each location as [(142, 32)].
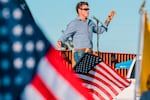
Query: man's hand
[(109, 18), (111, 15), (59, 44)]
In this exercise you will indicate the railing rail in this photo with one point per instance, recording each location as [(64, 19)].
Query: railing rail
[(109, 58)]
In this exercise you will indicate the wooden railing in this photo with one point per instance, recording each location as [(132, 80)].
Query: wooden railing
[(109, 58)]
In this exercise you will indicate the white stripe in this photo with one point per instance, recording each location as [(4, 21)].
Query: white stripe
[(56, 83), (95, 97), (109, 76), (93, 80), (31, 93), (106, 86), (100, 92), (114, 73), (109, 80), (106, 80)]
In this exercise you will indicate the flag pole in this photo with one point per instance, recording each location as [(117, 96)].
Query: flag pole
[(139, 51)]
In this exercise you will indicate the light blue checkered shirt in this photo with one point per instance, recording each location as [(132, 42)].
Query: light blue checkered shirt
[(81, 32)]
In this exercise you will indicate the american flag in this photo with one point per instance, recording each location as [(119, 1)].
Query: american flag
[(30, 68), (86, 63), (103, 82)]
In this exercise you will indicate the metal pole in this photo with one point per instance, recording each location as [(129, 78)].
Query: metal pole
[(139, 52), (98, 38)]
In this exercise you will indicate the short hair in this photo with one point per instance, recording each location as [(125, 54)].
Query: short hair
[(79, 4)]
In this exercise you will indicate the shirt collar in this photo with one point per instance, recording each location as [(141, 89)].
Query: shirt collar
[(78, 18)]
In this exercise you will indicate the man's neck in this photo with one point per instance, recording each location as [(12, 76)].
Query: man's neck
[(83, 18)]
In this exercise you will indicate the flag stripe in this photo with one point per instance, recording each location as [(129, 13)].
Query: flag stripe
[(79, 91), (108, 76), (40, 86), (100, 87), (103, 77), (98, 91), (94, 80), (121, 81), (104, 82), (101, 84), (58, 80), (50, 83), (36, 69), (97, 96), (31, 93)]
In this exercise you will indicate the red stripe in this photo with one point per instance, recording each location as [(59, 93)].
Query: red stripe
[(108, 78), (53, 57), (104, 82), (40, 86), (97, 94), (99, 87), (118, 74), (101, 66)]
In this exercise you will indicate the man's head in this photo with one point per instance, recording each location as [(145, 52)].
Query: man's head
[(82, 9)]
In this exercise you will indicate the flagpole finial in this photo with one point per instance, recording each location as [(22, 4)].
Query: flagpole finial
[(142, 7)]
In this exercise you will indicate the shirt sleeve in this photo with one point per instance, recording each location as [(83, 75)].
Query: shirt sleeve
[(70, 30), (102, 28)]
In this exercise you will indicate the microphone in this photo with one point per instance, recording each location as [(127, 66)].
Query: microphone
[(95, 19)]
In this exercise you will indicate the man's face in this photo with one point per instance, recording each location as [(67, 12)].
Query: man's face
[(84, 11)]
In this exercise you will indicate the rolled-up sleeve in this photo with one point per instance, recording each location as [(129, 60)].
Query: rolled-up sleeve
[(101, 29)]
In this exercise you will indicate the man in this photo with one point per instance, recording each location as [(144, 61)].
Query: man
[(81, 30)]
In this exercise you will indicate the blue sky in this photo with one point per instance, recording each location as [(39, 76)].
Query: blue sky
[(123, 33)]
